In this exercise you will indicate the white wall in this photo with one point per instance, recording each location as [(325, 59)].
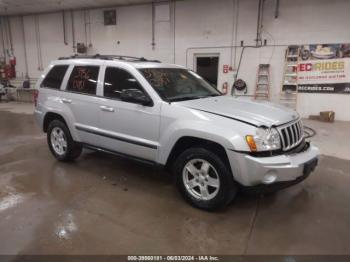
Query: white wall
[(198, 24)]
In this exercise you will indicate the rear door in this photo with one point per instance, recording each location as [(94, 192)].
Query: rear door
[(80, 98), (126, 127)]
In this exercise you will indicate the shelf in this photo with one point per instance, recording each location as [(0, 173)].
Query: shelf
[(288, 101), (287, 93)]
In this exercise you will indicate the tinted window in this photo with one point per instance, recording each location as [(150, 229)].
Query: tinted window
[(83, 79), (117, 80), (55, 77)]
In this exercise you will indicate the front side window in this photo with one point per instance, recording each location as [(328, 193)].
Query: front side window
[(83, 79), (118, 80), (174, 84), (55, 77)]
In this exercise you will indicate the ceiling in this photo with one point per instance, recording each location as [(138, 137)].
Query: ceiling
[(15, 7)]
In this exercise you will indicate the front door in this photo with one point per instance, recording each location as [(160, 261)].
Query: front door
[(127, 128)]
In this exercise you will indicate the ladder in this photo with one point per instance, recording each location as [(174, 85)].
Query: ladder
[(289, 92), (262, 89)]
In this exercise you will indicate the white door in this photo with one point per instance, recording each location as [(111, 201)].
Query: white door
[(125, 127), (80, 98)]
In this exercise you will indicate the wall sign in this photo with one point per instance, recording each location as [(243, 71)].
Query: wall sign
[(324, 68), (110, 17)]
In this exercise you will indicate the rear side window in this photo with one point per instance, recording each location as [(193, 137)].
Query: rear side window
[(116, 80), (83, 80), (55, 77)]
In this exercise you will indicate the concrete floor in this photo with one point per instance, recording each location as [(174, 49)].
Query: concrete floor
[(103, 204)]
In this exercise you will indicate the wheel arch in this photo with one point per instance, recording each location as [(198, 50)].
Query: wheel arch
[(186, 142), (66, 119), (49, 117)]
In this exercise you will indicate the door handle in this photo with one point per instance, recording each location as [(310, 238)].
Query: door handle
[(107, 108), (67, 101)]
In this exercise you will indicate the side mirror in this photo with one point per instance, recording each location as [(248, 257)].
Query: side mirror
[(135, 96)]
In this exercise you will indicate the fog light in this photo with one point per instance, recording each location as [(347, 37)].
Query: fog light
[(269, 178)]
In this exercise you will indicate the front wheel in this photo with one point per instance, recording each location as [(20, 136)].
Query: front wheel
[(204, 179), (61, 143)]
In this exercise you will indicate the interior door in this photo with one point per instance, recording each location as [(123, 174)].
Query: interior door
[(127, 128), (207, 66)]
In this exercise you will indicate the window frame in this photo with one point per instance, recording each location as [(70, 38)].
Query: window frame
[(120, 100), (68, 71), (73, 66)]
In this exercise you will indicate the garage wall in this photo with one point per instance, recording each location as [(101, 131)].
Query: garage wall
[(186, 28)]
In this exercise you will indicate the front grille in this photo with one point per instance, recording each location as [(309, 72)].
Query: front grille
[(291, 134)]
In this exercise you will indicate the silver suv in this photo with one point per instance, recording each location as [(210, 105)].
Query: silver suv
[(169, 116)]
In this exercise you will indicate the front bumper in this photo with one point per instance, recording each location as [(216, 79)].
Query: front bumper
[(286, 169)]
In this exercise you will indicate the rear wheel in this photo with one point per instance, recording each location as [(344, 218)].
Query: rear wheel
[(204, 179), (61, 143)]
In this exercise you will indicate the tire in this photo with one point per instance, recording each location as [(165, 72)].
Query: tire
[(213, 187), (63, 147)]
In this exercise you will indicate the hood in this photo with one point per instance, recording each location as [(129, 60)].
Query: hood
[(256, 113)]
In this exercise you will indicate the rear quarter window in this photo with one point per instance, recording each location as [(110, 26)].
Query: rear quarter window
[(55, 77), (83, 80)]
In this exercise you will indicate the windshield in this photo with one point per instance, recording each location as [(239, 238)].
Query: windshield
[(175, 84)]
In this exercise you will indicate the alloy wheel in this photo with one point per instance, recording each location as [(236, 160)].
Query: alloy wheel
[(201, 179), (58, 141)]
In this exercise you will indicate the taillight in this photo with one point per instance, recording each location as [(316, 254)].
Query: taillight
[(35, 97)]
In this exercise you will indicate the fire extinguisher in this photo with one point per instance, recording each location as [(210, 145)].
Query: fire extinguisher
[(12, 61), (8, 71), (11, 69), (225, 88)]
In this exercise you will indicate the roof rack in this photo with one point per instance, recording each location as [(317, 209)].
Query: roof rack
[(110, 57)]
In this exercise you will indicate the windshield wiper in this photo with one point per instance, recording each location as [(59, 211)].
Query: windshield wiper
[(184, 98)]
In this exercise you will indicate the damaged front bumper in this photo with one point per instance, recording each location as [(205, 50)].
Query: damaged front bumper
[(273, 172)]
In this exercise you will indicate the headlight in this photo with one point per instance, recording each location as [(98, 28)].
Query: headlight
[(265, 139)]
